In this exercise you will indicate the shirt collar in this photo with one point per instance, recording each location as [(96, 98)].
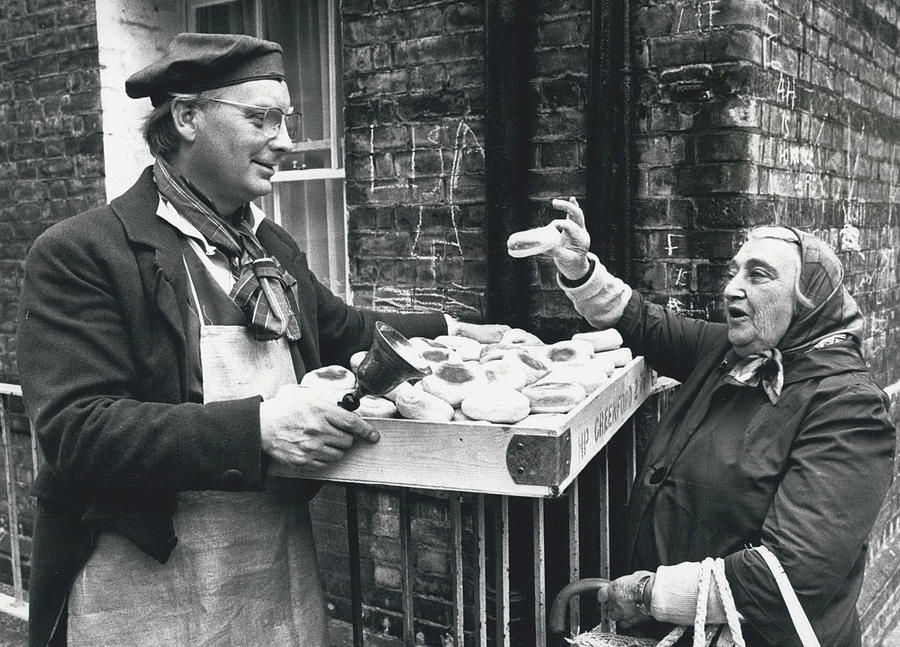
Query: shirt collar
[(167, 212)]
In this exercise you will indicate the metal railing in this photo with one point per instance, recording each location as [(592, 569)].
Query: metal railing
[(14, 605), (489, 622)]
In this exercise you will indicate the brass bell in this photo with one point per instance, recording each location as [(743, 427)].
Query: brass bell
[(390, 361)]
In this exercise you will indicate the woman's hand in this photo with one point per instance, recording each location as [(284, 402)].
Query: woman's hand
[(571, 255), (623, 595)]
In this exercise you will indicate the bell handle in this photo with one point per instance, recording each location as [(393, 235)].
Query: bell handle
[(350, 401)]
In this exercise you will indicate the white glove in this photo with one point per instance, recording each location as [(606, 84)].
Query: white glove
[(603, 297), (570, 255)]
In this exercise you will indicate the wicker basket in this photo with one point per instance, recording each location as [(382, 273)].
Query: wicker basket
[(598, 638)]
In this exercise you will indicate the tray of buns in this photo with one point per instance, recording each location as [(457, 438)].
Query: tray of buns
[(518, 417)]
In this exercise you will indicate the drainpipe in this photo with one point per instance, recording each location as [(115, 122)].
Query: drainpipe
[(509, 110), (609, 123)]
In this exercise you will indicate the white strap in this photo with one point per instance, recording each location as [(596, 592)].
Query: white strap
[(712, 572), (798, 616), (732, 616)]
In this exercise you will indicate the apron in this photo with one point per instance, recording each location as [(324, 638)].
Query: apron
[(244, 571)]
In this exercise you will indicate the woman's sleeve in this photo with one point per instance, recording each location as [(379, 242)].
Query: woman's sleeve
[(819, 520), (83, 385), (671, 342)]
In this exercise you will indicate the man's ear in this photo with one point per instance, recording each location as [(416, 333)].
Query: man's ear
[(184, 115)]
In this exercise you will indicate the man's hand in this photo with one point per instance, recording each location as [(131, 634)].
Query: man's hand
[(622, 595), (482, 333), (299, 427), (571, 255)]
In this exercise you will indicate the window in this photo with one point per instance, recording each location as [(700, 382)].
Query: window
[(308, 199)]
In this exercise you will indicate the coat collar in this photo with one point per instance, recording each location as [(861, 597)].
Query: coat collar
[(136, 208), (158, 250)]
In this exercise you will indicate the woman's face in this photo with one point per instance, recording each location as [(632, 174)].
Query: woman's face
[(759, 297)]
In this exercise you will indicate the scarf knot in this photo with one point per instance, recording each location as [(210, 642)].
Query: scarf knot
[(261, 285), (764, 369)]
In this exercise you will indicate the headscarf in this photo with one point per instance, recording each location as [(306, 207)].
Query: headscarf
[(830, 315)]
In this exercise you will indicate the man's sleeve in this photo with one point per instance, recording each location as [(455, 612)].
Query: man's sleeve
[(82, 385)]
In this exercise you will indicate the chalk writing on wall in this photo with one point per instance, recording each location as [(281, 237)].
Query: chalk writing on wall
[(431, 191)]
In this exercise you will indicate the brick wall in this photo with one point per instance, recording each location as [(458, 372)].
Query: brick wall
[(51, 150), (561, 87), (414, 92)]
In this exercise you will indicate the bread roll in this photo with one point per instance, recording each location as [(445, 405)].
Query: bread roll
[(452, 381), (395, 393), (459, 416), (371, 406), (619, 357), (491, 352), (423, 343), (534, 368), (533, 241), (330, 378), (542, 420), (519, 337), (467, 348), (435, 356), (601, 340), (496, 403), (603, 364), (589, 375), (356, 359), (554, 397), (417, 404), (326, 395), (571, 350), (505, 373)]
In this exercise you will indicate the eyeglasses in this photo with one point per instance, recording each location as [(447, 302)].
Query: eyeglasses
[(272, 118)]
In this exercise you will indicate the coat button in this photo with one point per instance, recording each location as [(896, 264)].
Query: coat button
[(233, 479), (659, 474)]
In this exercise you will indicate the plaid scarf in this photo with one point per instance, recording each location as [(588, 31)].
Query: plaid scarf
[(261, 285), (765, 368)]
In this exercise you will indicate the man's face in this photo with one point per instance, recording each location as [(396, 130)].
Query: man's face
[(759, 297), (232, 160)]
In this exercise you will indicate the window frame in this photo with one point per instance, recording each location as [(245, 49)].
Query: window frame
[(333, 142)]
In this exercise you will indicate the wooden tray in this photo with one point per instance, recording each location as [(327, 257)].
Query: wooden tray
[(491, 458)]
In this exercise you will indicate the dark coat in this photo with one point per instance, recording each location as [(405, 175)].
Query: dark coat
[(726, 469), (102, 360)]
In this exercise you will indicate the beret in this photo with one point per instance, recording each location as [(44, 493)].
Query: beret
[(196, 62)]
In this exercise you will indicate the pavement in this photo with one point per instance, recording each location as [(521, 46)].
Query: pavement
[(14, 633)]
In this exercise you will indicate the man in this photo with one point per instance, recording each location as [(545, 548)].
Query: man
[(161, 339)]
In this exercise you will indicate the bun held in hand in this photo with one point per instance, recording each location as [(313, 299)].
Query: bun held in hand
[(533, 241)]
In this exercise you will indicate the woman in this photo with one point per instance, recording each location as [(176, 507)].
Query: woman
[(777, 437)]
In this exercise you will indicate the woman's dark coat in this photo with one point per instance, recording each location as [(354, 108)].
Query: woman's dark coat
[(102, 350), (726, 469)]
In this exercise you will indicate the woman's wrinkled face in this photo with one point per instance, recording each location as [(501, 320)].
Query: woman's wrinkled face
[(760, 294)]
